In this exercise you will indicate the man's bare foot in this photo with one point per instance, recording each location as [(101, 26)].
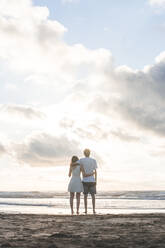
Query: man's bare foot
[(77, 212), (94, 212), (72, 213)]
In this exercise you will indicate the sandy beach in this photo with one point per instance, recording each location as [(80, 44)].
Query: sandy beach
[(52, 231)]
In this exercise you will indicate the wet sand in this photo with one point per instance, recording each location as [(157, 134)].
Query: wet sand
[(52, 231)]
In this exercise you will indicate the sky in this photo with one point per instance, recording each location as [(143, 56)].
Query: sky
[(79, 74)]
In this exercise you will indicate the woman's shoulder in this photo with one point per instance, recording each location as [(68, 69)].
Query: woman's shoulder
[(77, 165)]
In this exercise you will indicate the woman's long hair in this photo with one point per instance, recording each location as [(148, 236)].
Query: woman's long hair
[(74, 159)]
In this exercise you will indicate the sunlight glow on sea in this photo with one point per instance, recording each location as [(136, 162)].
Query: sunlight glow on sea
[(106, 203)]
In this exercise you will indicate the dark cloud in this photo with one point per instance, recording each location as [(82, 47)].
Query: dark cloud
[(157, 74), (140, 97), (22, 110), (151, 118), (146, 116), (46, 150)]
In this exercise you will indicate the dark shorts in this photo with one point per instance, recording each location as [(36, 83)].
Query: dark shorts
[(89, 187)]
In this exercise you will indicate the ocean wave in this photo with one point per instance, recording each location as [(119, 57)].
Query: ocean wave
[(27, 204), (129, 195)]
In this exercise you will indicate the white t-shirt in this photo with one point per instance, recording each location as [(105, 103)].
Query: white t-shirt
[(89, 165)]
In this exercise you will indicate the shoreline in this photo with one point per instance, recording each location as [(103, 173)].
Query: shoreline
[(58, 231)]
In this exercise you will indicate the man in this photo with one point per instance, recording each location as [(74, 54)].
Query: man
[(89, 182)]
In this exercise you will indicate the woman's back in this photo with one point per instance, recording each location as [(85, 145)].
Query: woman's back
[(76, 171), (75, 184)]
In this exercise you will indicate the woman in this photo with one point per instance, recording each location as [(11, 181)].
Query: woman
[(75, 184)]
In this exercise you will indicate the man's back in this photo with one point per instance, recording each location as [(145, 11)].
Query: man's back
[(89, 165)]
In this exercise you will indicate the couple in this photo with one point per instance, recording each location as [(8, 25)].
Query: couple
[(87, 166)]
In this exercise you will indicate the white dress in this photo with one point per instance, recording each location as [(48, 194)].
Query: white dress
[(75, 184)]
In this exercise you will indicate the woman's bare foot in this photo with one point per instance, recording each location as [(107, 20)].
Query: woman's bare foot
[(72, 213), (77, 212)]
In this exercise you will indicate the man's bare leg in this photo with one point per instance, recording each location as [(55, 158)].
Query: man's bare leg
[(85, 202), (93, 202)]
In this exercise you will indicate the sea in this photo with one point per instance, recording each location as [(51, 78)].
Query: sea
[(53, 203)]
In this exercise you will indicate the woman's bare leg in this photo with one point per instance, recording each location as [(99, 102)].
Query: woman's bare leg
[(71, 202), (78, 201)]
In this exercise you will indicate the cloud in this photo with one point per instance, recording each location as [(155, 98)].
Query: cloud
[(87, 86), (2, 149), (147, 118), (26, 30), (34, 51), (45, 150), (157, 3), (22, 110), (121, 88), (117, 112), (136, 96), (70, 1), (12, 8), (124, 136), (92, 130), (33, 44), (142, 101)]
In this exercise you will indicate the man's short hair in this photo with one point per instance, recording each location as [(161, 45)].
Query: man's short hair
[(87, 152)]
